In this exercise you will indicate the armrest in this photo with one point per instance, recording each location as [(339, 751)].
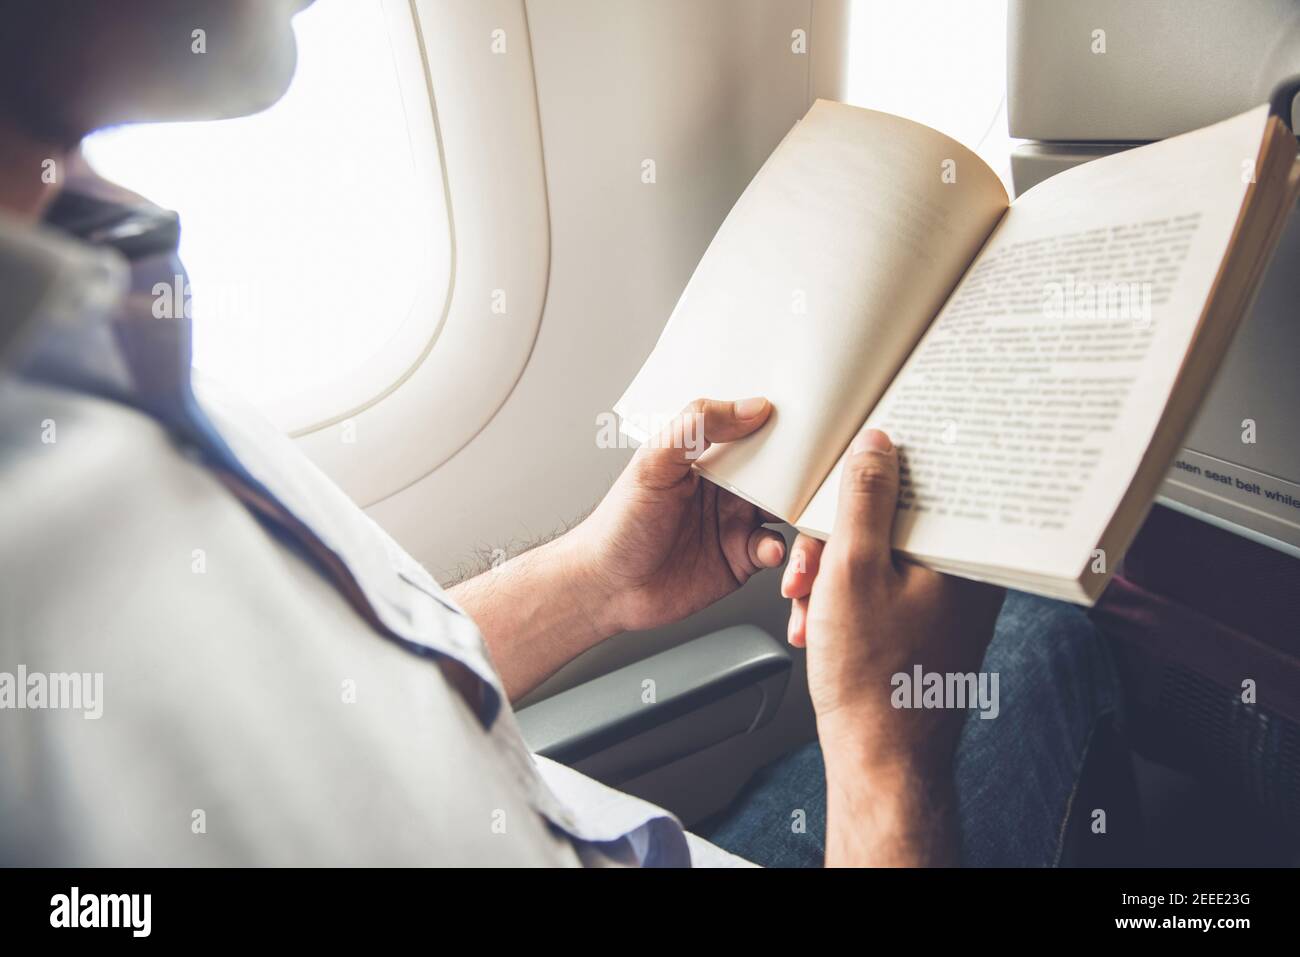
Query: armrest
[(664, 707)]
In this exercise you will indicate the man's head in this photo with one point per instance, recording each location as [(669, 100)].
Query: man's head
[(71, 66)]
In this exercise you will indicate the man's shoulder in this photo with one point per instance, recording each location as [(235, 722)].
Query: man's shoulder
[(44, 424), (68, 459), (233, 675)]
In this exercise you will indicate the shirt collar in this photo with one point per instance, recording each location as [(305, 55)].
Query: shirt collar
[(50, 280), (93, 320)]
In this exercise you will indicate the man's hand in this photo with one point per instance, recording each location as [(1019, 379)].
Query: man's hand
[(665, 542), (864, 618)]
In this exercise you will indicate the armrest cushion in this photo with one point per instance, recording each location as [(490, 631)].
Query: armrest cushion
[(664, 707)]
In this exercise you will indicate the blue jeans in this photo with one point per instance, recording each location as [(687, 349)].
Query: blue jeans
[(1016, 774)]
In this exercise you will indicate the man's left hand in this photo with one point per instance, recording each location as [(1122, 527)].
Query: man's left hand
[(665, 542)]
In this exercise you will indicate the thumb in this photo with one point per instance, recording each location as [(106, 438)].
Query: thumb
[(703, 422), (864, 521)]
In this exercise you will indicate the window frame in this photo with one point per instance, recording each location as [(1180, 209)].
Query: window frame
[(487, 134), (344, 396)]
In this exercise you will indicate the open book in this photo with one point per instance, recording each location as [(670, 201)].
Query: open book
[(1037, 363)]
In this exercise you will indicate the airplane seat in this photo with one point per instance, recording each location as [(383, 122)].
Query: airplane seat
[(1212, 704)]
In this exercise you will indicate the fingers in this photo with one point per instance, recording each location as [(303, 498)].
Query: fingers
[(797, 629), (747, 546), (864, 521), (766, 548), (805, 557), (700, 424)]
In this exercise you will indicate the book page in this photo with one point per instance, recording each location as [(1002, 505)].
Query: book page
[(1025, 411), (818, 284)]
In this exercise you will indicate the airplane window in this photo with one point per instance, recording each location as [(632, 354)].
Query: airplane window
[(299, 232), (937, 62)]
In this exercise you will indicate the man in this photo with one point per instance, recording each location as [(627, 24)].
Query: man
[(281, 683)]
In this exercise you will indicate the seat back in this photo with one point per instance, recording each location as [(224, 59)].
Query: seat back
[(1089, 79)]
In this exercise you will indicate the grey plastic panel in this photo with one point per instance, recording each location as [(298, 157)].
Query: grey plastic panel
[(664, 707), (1034, 162), (1169, 66), (1224, 479)]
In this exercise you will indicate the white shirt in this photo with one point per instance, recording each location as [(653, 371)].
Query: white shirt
[(250, 715)]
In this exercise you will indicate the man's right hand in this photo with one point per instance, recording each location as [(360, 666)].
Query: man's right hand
[(864, 618)]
